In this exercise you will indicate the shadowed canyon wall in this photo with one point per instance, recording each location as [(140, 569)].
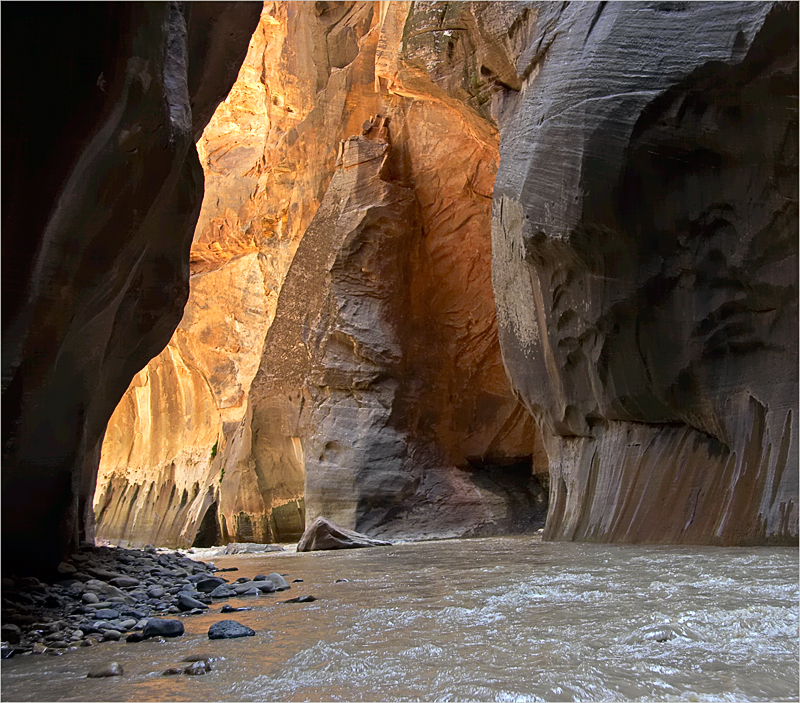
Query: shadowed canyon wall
[(101, 194), (645, 268)]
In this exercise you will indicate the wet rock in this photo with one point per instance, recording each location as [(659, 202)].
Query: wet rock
[(88, 642), (110, 669), (341, 581), (209, 584), (279, 581), (59, 644), (7, 652), (106, 614), (260, 577), (230, 609), (157, 627), (10, 633), (124, 582), (38, 648), (186, 602), (172, 671), (112, 636), (301, 599), (198, 668), (324, 534), (265, 586), (229, 629), (134, 637), (297, 581), (223, 592)]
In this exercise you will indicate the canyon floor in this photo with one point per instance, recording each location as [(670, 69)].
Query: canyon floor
[(505, 618)]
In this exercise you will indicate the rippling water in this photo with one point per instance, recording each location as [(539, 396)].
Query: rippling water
[(500, 619)]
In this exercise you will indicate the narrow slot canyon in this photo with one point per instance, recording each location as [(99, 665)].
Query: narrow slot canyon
[(462, 336), (444, 281)]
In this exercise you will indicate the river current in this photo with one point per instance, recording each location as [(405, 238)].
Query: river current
[(496, 619)]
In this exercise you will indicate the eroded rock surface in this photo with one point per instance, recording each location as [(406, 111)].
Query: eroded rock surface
[(97, 223), (645, 268), (316, 74)]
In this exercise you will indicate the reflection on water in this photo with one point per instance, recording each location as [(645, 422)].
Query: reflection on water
[(499, 619)]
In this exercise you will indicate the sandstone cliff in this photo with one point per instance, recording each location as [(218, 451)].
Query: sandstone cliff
[(629, 169), (101, 193), (315, 74)]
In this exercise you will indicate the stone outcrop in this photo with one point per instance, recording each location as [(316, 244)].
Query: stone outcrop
[(102, 194), (323, 534), (645, 267)]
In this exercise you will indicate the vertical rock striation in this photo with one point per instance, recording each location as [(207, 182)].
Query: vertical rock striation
[(102, 193), (645, 267)]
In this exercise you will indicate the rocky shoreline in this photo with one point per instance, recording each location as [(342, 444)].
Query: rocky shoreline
[(112, 594)]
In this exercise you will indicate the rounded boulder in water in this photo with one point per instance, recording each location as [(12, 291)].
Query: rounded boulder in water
[(209, 584), (228, 629), (110, 669), (279, 581), (156, 627), (186, 602)]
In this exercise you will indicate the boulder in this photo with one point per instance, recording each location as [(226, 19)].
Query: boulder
[(208, 584), (110, 669), (223, 591), (157, 627), (324, 534), (278, 581), (186, 602), (229, 629)]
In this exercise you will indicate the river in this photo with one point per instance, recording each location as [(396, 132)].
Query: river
[(495, 619)]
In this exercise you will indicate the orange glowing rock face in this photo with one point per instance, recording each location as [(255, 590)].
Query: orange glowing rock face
[(316, 74)]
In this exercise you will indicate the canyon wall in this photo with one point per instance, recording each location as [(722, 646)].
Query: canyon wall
[(316, 74), (101, 194), (448, 252), (645, 268)]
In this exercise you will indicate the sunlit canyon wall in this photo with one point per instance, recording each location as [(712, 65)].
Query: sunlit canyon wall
[(612, 186)]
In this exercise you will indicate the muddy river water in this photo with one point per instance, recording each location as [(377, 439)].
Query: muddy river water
[(498, 619)]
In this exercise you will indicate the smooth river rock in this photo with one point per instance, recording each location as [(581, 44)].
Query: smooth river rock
[(157, 627)]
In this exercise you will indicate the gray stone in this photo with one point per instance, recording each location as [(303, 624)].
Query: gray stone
[(222, 592), (157, 627), (324, 534), (186, 602), (209, 584), (229, 629), (110, 669), (106, 614), (278, 581), (124, 582)]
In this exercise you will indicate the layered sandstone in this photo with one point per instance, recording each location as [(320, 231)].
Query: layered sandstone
[(102, 192), (315, 74), (340, 343), (645, 268)]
